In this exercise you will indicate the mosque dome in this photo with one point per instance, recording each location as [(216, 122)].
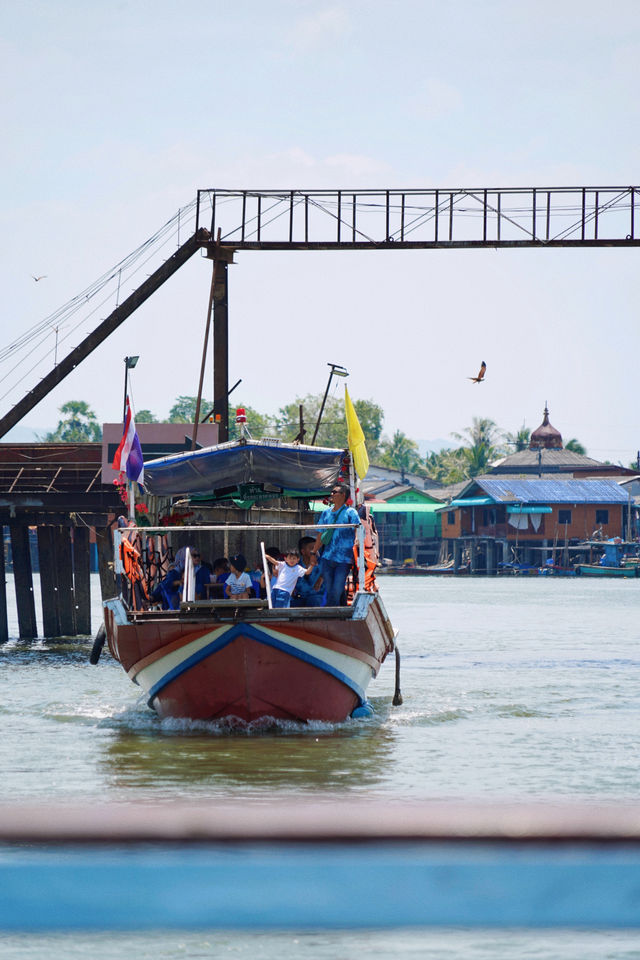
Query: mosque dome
[(546, 437)]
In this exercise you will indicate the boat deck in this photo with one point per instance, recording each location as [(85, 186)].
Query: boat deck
[(239, 610)]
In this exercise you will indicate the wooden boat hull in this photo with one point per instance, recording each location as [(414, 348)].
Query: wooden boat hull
[(595, 570), (312, 664)]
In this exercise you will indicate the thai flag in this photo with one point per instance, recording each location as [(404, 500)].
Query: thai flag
[(129, 454)]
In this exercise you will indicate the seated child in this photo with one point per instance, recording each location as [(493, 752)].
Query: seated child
[(238, 583), (288, 572), (220, 570), (309, 591), (202, 575)]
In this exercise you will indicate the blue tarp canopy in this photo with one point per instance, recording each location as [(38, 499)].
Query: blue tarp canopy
[(270, 465)]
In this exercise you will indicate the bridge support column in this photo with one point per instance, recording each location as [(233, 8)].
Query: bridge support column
[(48, 582), (20, 552), (82, 580), (221, 348)]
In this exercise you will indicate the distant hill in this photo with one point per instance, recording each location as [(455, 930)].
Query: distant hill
[(24, 434), (435, 446)]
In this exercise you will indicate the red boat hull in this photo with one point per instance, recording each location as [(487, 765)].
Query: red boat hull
[(309, 665)]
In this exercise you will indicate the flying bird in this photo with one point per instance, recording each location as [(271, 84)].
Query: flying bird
[(481, 373), (42, 277)]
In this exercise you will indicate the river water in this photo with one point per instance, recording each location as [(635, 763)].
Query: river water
[(514, 689)]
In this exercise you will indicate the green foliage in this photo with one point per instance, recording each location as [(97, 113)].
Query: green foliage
[(575, 446), (258, 424), (79, 424), (333, 426), (145, 416), (184, 409), (483, 445), (518, 441), (401, 453)]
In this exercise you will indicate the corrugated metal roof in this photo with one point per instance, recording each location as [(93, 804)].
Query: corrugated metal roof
[(507, 489), (550, 458)]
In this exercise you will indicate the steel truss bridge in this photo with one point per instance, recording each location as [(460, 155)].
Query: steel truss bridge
[(226, 221), (420, 219)]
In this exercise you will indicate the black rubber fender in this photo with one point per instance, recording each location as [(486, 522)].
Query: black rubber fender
[(98, 644)]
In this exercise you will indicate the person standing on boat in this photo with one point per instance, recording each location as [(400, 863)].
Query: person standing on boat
[(335, 547), (288, 572)]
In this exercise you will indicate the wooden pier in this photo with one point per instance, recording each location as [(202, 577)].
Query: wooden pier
[(56, 489)]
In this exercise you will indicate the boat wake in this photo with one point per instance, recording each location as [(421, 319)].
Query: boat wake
[(138, 718)]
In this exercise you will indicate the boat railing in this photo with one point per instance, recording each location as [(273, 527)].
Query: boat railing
[(136, 536), (318, 866)]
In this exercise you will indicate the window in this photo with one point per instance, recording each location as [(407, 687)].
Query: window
[(451, 516), (602, 516), (564, 516)]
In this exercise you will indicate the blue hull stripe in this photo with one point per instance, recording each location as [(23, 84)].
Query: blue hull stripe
[(254, 634)]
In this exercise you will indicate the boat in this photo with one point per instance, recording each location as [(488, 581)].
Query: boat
[(413, 570), (601, 570), (614, 561), (242, 660)]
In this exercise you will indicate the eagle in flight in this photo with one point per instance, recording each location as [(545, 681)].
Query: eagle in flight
[(481, 373)]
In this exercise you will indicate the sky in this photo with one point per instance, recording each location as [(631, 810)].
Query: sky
[(114, 115)]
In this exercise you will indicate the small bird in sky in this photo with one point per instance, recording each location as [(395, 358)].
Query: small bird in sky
[(481, 373), (42, 277)]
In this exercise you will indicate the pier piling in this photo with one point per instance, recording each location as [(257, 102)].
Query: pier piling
[(48, 582), (82, 580), (4, 623), (27, 627)]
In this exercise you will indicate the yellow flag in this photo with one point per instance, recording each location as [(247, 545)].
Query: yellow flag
[(356, 438)]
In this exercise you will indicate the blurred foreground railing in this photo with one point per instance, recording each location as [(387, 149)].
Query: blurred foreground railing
[(329, 865)]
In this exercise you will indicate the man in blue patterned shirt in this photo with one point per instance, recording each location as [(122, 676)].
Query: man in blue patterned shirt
[(336, 556)]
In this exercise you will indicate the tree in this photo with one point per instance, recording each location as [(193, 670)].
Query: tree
[(520, 440), (447, 466), (575, 446), (258, 424), (79, 424), (145, 416), (333, 426), (483, 445), (184, 409), (401, 453)]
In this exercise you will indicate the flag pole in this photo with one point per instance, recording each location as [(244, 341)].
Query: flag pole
[(132, 501)]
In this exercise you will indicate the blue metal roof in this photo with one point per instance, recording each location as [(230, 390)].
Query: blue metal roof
[(513, 489)]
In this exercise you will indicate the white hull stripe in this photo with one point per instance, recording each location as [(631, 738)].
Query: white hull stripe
[(271, 639)]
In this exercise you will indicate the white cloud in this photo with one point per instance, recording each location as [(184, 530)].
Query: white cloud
[(326, 25)]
